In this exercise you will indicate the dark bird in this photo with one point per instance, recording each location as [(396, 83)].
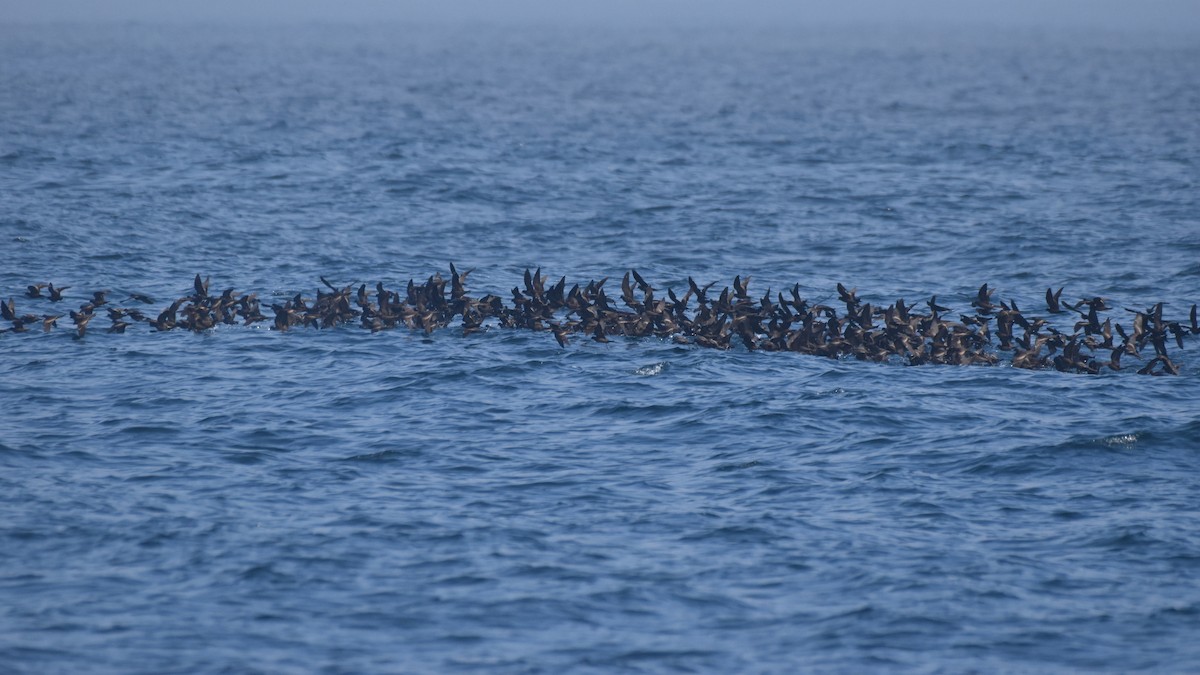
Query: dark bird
[(1149, 367), (598, 334), (1168, 367), (141, 297), (56, 294), (34, 290), (457, 283), (847, 296), (1115, 361), (627, 293), (81, 320), (1106, 331), (560, 334), (283, 317), (640, 281), (741, 287), (8, 310), (1053, 302), (1178, 331), (983, 300), (936, 308), (700, 293)]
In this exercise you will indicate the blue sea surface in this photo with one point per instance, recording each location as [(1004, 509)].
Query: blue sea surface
[(249, 500)]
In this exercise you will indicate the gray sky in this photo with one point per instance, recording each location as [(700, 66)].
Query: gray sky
[(1169, 15)]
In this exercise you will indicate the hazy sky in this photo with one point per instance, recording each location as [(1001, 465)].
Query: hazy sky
[(1172, 15)]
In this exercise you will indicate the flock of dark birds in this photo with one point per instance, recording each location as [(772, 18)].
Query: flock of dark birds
[(848, 328)]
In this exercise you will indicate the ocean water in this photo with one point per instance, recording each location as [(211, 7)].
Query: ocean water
[(249, 500)]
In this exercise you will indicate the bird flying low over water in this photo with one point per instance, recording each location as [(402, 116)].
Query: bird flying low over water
[(983, 300), (1053, 301)]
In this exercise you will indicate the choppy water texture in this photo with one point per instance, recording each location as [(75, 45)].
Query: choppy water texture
[(249, 500)]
